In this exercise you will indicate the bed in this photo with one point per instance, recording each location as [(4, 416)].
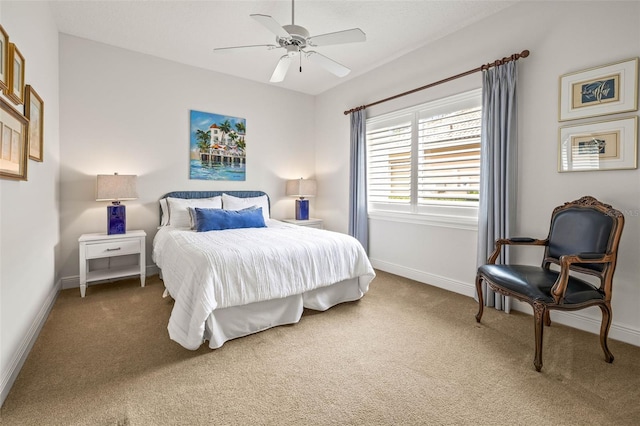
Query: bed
[(237, 281)]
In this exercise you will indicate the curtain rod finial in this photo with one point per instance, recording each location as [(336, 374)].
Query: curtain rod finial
[(524, 53), (355, 109)]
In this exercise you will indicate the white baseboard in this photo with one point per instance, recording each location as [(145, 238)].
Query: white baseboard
[(621, 332), (74, 280), (9, 376), (460, 287)]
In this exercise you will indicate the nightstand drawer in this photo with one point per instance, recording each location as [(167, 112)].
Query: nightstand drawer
[(309, 223), (112, 248)]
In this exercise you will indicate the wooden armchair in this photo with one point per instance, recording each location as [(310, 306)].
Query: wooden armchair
[(583, 237)]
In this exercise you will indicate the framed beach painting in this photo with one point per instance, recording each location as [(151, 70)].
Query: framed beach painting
[(608, 89), (603, 145), (13, 139), (217, 147), (34, 112), (4, 59), (15, 92)]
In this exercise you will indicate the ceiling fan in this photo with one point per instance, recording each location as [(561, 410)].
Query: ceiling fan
[(296, 41)]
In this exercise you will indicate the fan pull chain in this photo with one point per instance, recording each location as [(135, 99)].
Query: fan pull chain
[(300, 62)]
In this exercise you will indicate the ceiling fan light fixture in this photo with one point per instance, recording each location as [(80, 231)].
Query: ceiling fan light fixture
[(292, 50)]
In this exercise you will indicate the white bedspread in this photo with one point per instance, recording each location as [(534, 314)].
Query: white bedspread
[(204, 271)]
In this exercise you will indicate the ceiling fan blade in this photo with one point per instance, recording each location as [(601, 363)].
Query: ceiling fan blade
[(271, 24), (281, 69), (328, 64), (228, 49), (347, 36)]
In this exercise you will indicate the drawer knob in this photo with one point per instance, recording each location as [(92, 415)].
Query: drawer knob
[(114, 249)]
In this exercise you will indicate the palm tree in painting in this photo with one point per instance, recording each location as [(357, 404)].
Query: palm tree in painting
[(241, 132), (203, 138), (234, 137), (225, 128)]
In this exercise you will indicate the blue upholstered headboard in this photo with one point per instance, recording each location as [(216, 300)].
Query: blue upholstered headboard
[(209, 194)]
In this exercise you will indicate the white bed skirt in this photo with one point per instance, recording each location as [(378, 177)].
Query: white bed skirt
[(237, 321)]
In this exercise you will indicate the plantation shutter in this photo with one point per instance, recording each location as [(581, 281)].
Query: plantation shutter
[(389, 161), (425, 159), (449, 158)]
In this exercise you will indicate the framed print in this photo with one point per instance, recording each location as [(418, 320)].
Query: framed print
[(34, 112), (4, 59), (13, 138), (217, 146), (608, 89), (15, 92), (603, 145)]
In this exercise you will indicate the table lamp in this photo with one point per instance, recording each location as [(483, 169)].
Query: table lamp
[(301, 188), (116, 188)]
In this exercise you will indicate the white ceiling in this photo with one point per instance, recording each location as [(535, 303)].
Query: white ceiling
[(188, 31)]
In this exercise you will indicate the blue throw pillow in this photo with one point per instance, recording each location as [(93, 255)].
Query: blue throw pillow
[(218, 219)]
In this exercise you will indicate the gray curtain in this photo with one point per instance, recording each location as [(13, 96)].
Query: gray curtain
[(498, 167), (358, 220)]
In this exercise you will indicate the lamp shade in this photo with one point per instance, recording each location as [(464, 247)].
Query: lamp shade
[(116, 187), (301, 188)]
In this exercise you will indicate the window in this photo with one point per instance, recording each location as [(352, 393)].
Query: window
[(426, 159)]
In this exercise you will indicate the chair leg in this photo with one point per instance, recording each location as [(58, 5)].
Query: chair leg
[(480, 298), (539, 313), (547, 318), (604, 331)]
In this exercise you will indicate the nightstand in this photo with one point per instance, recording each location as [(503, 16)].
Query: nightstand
[(103, 246), (311, 222)]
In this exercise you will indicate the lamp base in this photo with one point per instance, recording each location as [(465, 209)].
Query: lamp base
[(302, 209), (116, 219)]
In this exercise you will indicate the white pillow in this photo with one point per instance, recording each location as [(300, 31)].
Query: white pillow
[(164, 221), (179, 216), (229, 202)]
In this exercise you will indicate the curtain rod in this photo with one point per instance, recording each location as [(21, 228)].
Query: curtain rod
[(497, 62)]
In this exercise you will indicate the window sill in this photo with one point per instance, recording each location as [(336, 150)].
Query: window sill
[(444, 221)]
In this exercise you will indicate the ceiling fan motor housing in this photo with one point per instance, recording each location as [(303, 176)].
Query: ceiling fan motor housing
[(299, 36)]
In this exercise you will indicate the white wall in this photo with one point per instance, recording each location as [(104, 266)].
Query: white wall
[(563, 37), (29, 218), (127, 112)]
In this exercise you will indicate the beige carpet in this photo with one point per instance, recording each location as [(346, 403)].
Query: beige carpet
[(406, 354)]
